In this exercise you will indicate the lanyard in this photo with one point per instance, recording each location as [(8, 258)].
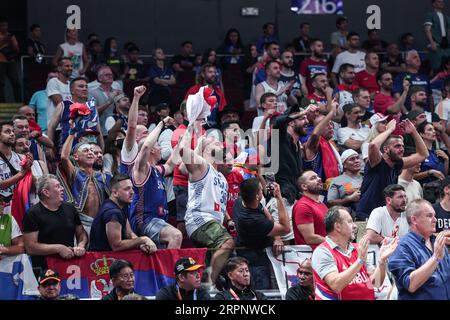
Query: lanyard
[(179, 294)]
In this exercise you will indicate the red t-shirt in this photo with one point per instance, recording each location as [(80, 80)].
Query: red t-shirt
[(306, 211), (180, 179), (381, 103), (309, 68), (366, 80)]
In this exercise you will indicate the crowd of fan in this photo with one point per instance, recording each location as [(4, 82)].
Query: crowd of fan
[(361, 137)]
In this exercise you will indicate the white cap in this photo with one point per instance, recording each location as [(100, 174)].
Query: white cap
[(377, 117), (347, 154)]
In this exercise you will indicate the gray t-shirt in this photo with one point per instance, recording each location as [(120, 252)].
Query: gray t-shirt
[(343, 186)]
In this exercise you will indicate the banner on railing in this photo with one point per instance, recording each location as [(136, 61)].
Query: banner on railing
[(17, 280), (285, 265), (88, 276)]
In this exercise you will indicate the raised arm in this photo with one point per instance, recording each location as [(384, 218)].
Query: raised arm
[(56, 118), (421, 149), (130, 138), (67, 165), (375, 145)]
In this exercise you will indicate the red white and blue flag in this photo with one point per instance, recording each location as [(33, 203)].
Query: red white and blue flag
[(88, 276)]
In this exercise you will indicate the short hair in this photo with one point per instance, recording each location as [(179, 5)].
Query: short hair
[(134, 296), (391, 189), (5, 123), (352, 34), (117, 266), (409, 53), (186, 42), (370, 31), (133, 48), (227, 124), (117, 178), (333, 216), (61, 60), (43, 183), (94, 41), (339, 20), (368, 53), (19, 117), (388, 140), (406, 35), (34, 26), (421, 127), (381, 73), (267, 24), (142, 108), (161, 106), (234, 262), (302, 179), (358, 91), (304, 24), (315, 75), (249, 189), (270, 43), (269, 63), (414, 208), (345, 66), (101, 68), (72, 82), (265, 96), (314, 40)]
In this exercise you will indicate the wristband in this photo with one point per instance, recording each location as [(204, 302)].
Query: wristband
[(436, 259), (361, 261)]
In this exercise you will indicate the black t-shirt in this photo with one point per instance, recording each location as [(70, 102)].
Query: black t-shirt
[(298, 292), (443, 218), (252, 226), (54, 227), (109, 211), (37, 46), (136, 71), (179, 59)]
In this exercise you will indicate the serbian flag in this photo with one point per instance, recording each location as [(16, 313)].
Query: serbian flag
[(88, 276), (20, 202)]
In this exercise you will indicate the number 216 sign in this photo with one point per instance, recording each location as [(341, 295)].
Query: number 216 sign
[(317, 6)]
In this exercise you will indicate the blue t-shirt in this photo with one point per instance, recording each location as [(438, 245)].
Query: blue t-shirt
[(39, 102), (108, 212), (374, 182), (411, 254), (163, 74), (432, 162), (417, 79)]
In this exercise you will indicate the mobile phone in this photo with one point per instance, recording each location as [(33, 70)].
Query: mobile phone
[(270, 179)]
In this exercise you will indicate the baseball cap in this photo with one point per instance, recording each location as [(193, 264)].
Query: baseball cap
[(119, 97), (186, 264), (347, 154), (413, 114), (377, 117), (47, 275)]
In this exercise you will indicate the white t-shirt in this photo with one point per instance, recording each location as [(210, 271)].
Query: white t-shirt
[(382, 223), (207, 200), (257, 123), (75, 53), (107, 163), (54, 86), (443, 109), (356, 59), (413, 189), (345, 133)]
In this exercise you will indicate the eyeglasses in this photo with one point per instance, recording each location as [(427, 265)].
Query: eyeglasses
[(126, 276)]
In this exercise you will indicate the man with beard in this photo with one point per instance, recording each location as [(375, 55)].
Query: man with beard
[(111, 229), (308, 213), (383, 168), (312, 65), (207, 77), (273, 85), (79, 91), (343, 92), (368, 78), (421, 263), (353, 135), (288, 74), (384, 102), (389, 221), (239, 276), (339, 266), (119, 120), (121, 273), (353, 55), (320, 155), (345, 189), (78, 178), (291, 126), (98, 154), (10, 170), (323, 93), (304, 289), (418, 97)]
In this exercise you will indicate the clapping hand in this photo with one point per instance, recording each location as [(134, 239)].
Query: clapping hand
[(388, 246)]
